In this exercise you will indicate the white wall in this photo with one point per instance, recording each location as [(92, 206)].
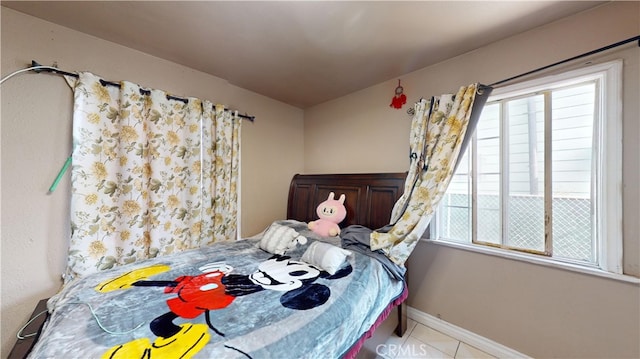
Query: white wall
[(540, 311), (36, 139)]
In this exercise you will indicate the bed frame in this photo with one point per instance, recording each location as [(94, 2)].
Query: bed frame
[(369, 200)]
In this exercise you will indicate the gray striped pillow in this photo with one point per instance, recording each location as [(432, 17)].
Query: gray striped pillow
[(325, 256), (279, 239)]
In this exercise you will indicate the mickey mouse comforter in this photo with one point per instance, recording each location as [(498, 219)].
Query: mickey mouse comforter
[(230, 300)]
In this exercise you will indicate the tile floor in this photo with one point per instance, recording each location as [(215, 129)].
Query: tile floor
[(419, 341)]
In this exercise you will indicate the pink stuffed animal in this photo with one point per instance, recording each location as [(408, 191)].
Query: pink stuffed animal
[(331, 212)]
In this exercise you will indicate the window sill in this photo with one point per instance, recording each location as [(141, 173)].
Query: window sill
[(536, 260)]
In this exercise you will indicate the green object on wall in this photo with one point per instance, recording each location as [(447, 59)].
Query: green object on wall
[(64, 168)]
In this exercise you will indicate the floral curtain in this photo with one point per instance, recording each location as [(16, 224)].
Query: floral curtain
[(152, 174), (437, 134)]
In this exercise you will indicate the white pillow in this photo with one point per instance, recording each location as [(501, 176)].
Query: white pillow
[(279, 239), (326, 256)]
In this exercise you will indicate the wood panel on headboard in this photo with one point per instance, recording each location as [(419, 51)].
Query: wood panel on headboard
[(369, 196)]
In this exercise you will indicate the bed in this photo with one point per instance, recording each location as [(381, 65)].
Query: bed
[(253, 298)]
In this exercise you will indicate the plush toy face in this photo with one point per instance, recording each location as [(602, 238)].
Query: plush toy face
[(332, 210)]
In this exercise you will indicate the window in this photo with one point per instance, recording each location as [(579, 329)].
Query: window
[(542, 174)]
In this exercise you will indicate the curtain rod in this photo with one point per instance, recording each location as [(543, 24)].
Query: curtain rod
[(620, 43), (104, 83)]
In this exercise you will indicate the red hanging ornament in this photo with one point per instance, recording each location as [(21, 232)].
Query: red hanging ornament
[(399, 99)]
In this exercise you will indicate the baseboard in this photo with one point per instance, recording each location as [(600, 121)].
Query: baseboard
[(463, 335)]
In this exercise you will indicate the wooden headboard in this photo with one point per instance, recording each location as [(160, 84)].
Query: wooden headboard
[(369, 196)]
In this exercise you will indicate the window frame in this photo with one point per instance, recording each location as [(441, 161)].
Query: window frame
[(606, 181)]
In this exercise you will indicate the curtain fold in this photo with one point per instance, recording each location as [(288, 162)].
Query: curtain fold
[(221, 176), (141, 175), (438, 130)]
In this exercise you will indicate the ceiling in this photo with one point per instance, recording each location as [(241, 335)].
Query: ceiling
[(308, 52)]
